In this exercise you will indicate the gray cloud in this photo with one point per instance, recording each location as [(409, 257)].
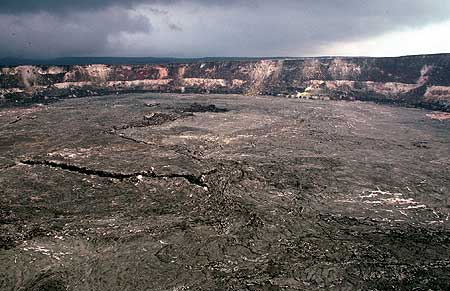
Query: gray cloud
[(52, 28), (77, 34), (27, 6)]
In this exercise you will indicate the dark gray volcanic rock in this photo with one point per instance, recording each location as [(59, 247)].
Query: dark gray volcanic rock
[(223, 192)]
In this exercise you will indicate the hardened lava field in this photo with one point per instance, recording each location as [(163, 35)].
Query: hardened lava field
[(214, 192)]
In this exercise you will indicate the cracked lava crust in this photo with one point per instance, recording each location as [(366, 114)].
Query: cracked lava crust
[(214, 192)]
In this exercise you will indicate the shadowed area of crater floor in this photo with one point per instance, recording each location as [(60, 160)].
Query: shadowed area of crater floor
[(215, 192)]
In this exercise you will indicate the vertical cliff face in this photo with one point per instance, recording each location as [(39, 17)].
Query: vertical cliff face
[(415, 80)]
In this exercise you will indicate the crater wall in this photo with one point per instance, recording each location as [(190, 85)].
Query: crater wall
[(422, 81)]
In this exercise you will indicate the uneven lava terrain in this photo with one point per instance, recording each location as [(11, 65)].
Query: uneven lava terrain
[(208, 192)]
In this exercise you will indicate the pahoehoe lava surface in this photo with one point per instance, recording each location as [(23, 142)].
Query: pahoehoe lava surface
[(223, 192)]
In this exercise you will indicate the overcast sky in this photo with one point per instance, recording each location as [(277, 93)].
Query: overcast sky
[(194, 28)]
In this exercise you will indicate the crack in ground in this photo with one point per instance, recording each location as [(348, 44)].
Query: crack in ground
[(126, 137), (193, 179), (18, 118), (133, 139)]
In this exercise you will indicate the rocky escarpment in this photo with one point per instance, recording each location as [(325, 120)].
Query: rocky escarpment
[(422, 81)]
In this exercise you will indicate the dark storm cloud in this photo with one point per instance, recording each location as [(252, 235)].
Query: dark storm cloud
[(49, 35), (26, 6), (200, 27)]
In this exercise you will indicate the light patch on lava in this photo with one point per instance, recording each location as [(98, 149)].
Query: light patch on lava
[(44, 250), (73, 153), (439, 116), (390, 202)]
